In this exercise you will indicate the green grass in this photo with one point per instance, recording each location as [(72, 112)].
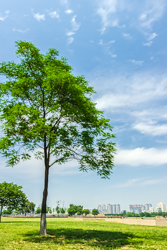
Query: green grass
[(23, 233)]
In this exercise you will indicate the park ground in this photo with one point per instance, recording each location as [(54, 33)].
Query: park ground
[(23, 233)]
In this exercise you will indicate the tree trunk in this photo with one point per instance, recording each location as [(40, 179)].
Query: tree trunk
[(43, 230), (1, 207)]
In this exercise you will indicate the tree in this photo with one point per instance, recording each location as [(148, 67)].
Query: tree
[(11, 197), (72, 210), (58, 208), (95, 211), (29, 207), (50, 210), (38, 210), (45, 109), (79, 210), (86, 211), (62, 210)]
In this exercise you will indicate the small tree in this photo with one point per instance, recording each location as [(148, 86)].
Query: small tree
[(58, 208), (95, 211), (62, 210), (72, 210), (45, 109), (29, 207), (38, 210), (11, 197), (79, 210), (86, 211)]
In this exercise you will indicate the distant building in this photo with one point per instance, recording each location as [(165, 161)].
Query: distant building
[(103, 208), (136, 208), (118, 209), (155, 209), (99, 209), (162, 206), (109, 208), (147, 207), (114, 209)]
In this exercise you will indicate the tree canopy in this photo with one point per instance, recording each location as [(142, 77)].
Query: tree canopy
[(45, 109), (95, 211), (74, 209), (11, 197)]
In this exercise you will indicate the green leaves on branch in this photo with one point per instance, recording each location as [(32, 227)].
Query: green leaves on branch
[(45, 109)]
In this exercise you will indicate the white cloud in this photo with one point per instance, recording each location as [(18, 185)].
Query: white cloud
[(140, 182), (148, 44), (154, 10), (39, 17), (70, 33), (149, 115), (142, 14), (141, 157), (75, 25), (107, 48), (151, 129), (3, 17), (129, 183), (105, 10), (54, 14), (137, 63), (69, 11), (70, 40), (64, 2), (138, 92), (128, 36), (21, 31), (152, 36)]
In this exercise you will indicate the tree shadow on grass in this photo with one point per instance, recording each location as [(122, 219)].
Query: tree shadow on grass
[(94, 238)]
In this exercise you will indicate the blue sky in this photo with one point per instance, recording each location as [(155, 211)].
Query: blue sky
[(121, 48)]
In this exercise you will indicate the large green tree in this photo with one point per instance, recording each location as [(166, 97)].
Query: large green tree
[(45, 109), (11, 197)]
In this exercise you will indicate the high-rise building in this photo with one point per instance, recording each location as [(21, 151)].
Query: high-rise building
[(114, 209), (162, 206), (136, 208), (118, 209), (99, 209), (147, 207), (109, 208), (103, 208)]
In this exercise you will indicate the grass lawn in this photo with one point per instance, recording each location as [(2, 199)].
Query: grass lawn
[(23, 233)]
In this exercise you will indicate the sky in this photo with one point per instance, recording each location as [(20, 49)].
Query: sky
[(120, 47)]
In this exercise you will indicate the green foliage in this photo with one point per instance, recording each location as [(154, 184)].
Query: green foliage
[(73, 209), (11, 196), (38, 210), (42, 105), (50, 210), (29, 207), (86, 211), (62, 210), (95, 211), (8, 211)]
